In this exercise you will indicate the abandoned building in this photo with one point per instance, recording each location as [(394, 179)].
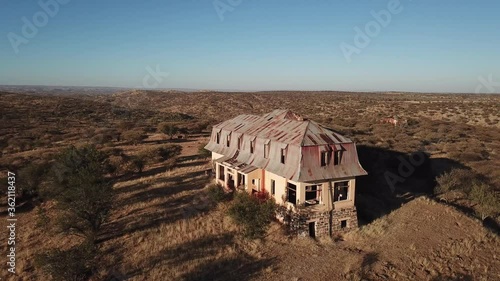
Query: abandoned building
[(309, 170)]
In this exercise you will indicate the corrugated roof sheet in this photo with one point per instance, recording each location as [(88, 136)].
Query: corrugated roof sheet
[(283, 126), (303, 141)]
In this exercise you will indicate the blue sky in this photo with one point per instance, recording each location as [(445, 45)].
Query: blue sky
[(430, 46)]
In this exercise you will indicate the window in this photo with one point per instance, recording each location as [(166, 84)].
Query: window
[(283, 155), (228, 140), (273, 187), (256, 184), (292, 193), (337, 159), (221, 172), (217, 137), (266, 150), (313, 193), (239, 142), (343, 223), (341, 191), (325, 158), (252, 146), (242, 179)]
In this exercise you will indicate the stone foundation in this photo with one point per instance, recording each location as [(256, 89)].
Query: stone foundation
[(323, 223)]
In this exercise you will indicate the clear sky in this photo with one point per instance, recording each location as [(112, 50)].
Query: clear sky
[(427, 45)]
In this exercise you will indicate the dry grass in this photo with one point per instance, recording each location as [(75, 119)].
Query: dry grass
[(163, 226), (169, 230)]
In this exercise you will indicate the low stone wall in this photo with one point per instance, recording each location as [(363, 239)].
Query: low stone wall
[(326, 223), (349, 215)]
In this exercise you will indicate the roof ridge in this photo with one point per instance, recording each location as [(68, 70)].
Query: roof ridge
[(305, 131)]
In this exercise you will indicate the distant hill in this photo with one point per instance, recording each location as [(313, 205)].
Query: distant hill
[(90, 90)]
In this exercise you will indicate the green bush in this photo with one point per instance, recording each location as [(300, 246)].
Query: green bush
[(253, 214), (217, 193), (74, 264)]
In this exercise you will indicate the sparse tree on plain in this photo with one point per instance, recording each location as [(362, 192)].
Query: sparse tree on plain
[(168, 129), (82, 193)]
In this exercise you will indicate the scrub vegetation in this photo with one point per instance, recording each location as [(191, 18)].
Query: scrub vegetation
[(119, 186)]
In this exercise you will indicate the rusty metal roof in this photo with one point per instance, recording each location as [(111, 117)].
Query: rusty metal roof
[(283, 126), (300, 139), (235, 164)]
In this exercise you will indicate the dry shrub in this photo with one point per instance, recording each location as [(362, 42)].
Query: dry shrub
[(133, 136), (486, 200), (169, 151), (217, 193), (456, 179), (76, 263)]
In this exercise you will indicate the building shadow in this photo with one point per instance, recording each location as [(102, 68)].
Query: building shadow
[(395, 178)]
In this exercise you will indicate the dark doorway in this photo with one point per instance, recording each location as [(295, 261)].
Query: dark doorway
[(221, 172), (230, 181), (312, 229), (292, 193)]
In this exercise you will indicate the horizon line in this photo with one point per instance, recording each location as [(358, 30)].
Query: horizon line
[(243, 91)]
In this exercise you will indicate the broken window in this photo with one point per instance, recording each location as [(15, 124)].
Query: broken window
[(337, 159), (239, 143), (325, 158), (343, 223), (283, 155), (291, 191), (313, 193), (221, 172), (273, 187), (256, 184), (266, 150), (341, 191), (242, 179)]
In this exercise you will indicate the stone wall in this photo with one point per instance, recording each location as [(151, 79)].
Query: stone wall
[(349, 215), (326, 223)]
